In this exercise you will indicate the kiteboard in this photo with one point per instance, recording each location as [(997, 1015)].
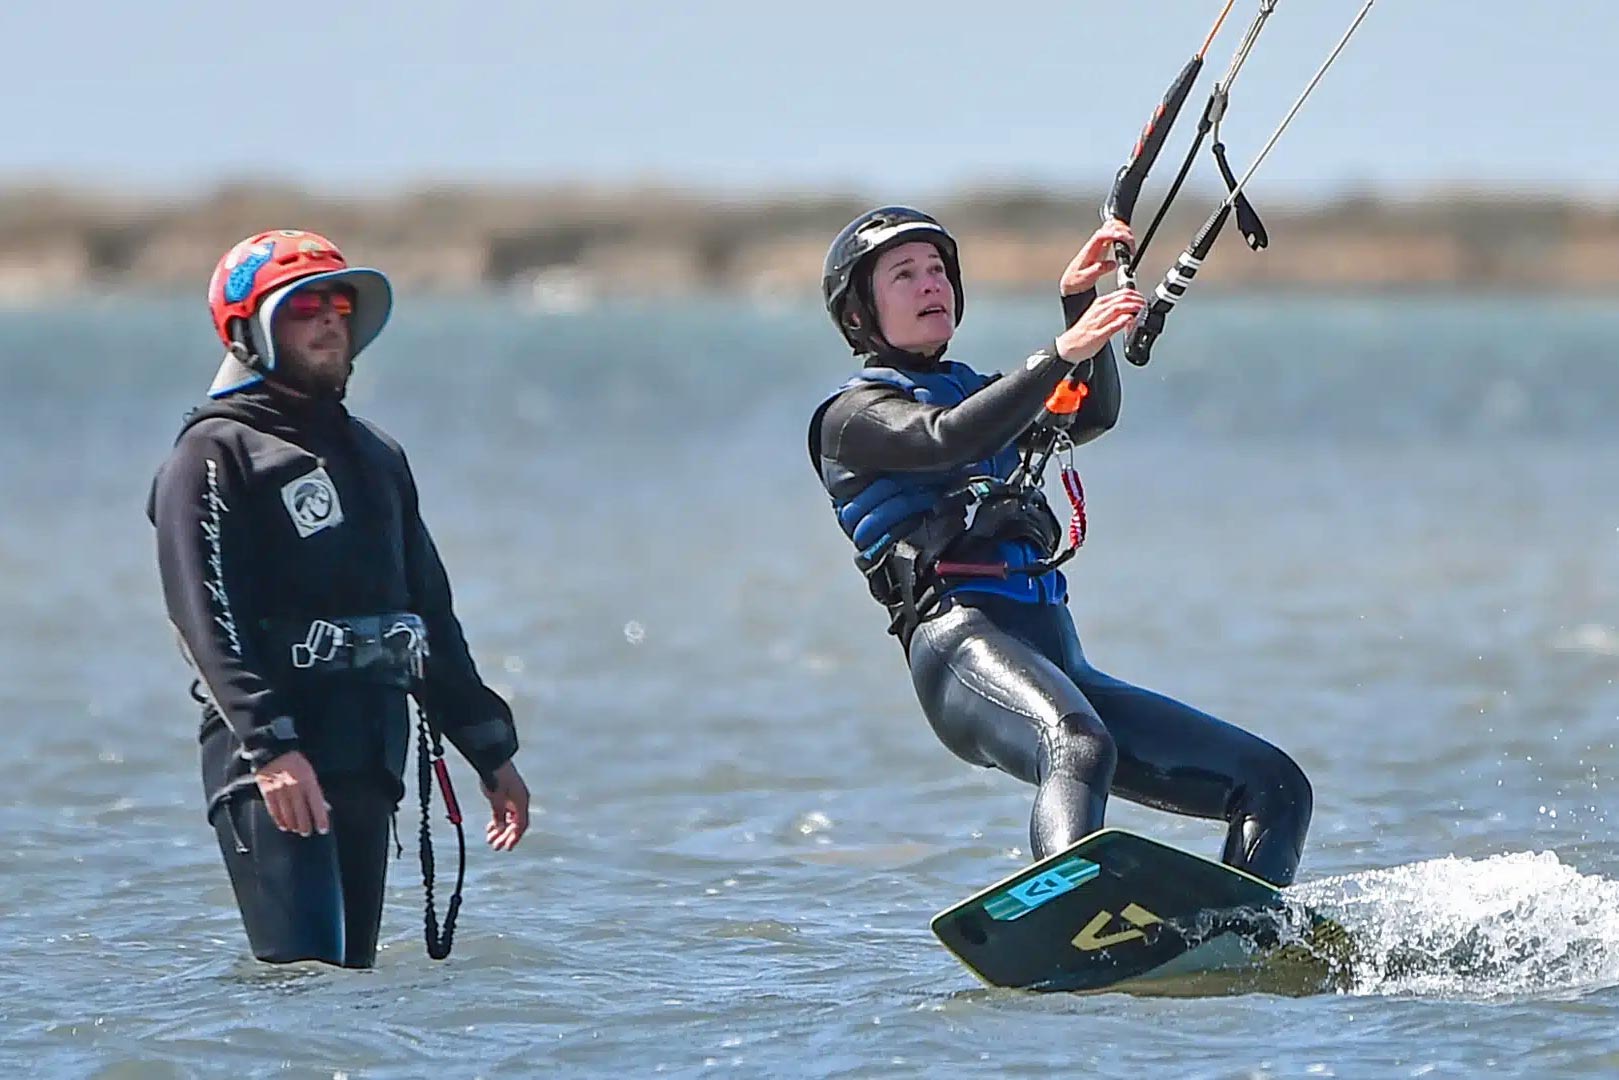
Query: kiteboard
[(1118, 910)]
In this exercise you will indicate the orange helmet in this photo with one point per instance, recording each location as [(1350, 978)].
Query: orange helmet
[(258, 273)]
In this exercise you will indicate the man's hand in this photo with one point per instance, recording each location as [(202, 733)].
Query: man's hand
[(293, 796), (508, 805)]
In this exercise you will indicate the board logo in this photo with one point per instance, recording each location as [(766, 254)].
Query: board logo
[(1050, 883), (311, 501), (1092, 938)]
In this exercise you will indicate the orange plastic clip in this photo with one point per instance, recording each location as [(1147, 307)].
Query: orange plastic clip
[(1067, 398)]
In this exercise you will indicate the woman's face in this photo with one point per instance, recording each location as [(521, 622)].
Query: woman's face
[(914, 300)]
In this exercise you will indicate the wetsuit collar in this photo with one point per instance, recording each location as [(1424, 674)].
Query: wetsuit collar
[(272, 410), (904, 359), (302, 406)]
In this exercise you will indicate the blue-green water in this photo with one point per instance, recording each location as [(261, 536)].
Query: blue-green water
[(1383, 533)]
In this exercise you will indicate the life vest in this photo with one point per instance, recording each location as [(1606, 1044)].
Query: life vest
[(902, 523)]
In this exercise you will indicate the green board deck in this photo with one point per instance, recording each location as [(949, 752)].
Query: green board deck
[(1119, 908)]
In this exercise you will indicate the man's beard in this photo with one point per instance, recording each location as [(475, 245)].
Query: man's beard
[(315, 378)]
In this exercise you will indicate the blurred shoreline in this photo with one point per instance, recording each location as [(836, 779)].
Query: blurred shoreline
[(560, 247)]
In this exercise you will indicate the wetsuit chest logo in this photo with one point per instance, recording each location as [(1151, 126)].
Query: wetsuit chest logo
[(311, 502)]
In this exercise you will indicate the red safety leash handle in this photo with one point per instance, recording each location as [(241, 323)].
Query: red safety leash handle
[(442, 771)]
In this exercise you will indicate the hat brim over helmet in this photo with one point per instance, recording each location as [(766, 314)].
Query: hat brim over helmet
[(851, 253), (257, 274)]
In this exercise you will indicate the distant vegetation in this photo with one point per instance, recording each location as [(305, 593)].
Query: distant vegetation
[(567, 244)]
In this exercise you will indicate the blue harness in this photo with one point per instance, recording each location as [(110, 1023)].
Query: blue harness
[(877, 511)]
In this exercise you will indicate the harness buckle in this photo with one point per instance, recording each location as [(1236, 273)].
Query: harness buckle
[(321, 644)]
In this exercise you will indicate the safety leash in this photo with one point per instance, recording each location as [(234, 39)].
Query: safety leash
[(429, 764)]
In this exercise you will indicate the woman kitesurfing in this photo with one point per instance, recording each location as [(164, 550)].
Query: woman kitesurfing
[(934, 472)]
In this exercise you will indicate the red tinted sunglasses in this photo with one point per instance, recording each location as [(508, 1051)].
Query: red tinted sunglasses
[(305, 304)]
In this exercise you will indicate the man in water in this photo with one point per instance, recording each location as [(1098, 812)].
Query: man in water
[(310, 600)]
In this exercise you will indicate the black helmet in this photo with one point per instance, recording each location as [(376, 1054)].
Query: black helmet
[(864, 238)]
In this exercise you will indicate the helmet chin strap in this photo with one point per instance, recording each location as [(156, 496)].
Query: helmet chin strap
[(242, 350)]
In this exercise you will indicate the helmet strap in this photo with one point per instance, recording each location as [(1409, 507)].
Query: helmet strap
[(241, 348), (859, 309)]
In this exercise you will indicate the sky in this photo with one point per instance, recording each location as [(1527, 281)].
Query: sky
[(881, 99)]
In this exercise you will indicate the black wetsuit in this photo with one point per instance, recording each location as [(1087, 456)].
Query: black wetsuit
[(1004, 681), (273, 512)]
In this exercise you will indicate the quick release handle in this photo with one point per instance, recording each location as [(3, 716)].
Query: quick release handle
[(451, 807), (1062, 403), (1066, 399), (1056, 414)]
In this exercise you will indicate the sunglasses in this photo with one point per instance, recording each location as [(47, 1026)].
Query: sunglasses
[(306, 304)]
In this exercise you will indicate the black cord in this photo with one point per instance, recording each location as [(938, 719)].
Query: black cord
[(438, 944)]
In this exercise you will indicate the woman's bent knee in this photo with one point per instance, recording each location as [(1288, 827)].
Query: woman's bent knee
[(1078, 746)]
